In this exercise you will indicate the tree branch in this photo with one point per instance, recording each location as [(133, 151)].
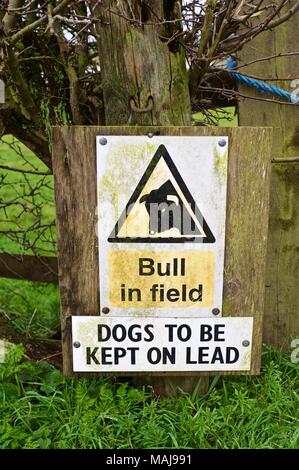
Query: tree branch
[(283, 18), (19, 170), (30, 27), (10, 17)]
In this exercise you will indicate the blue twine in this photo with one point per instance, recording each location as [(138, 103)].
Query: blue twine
[(261, 86)]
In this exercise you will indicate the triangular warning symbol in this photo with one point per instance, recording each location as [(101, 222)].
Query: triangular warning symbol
[(161, 209)]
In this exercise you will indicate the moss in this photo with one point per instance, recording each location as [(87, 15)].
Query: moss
[(286, 224), (288, 173), (290, 248), (124, 161), (227, 308), (220, 164)]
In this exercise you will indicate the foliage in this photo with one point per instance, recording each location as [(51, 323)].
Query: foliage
[(39, 408)]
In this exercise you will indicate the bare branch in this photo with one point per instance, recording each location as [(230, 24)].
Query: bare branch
[(32, 26), (28, 172), (283, 18), (10, 18), (270, 57)]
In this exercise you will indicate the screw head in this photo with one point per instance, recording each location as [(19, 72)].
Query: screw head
[(222, 143), (76, 344), (245, 343), (150, 135), (105, 310), (103, 141), (215, 311)]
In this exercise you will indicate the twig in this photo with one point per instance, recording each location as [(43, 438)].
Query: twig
[(285, 160), (283, 18), (40, 173), (270, 57), (30, 27), (233, 93)]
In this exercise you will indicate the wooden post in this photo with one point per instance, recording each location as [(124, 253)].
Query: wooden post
[(74, 162), (281, 322)]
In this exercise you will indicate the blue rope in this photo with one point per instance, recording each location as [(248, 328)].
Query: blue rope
[(261, 86)]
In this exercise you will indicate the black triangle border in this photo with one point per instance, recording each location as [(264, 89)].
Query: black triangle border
[(161, 152)]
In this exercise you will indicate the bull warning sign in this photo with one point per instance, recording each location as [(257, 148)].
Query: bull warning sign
[(161, 208)]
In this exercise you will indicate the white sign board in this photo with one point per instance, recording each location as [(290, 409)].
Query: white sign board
[(161, 213), (161, 344)]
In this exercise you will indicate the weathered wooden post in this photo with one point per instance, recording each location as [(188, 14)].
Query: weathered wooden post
[(75, 171), (282, 274)]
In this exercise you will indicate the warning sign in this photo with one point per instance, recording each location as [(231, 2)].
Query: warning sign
[(161, 344), (161, 208)]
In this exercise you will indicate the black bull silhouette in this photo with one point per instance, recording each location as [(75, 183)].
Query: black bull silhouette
[(166, 210)]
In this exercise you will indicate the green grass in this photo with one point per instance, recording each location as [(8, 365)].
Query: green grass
[(31, 308), (39, 408)]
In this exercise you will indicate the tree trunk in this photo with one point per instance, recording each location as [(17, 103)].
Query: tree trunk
[(143, 67), (142, 62)]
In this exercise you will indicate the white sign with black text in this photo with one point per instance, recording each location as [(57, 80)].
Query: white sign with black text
[(161, 344)]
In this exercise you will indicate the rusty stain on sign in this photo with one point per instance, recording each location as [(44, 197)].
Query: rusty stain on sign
[(161, 206)]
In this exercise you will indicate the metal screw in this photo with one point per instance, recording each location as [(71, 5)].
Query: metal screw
[(215, 311), (150, 135), (245, 343), (105, 310), (103, 141), (76, 344), (222, 143)]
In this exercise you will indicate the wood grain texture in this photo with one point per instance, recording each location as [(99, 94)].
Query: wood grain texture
[(74, 167), (247, 228), (281, 322), (138, 62), (29, 268), (74, 161)]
